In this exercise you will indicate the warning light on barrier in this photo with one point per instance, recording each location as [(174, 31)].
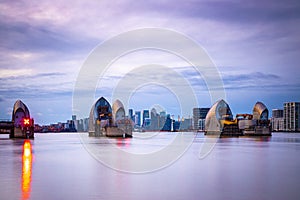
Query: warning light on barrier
[(26, 121)]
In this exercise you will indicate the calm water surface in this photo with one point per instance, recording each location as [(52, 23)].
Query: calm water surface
[(57, 166)]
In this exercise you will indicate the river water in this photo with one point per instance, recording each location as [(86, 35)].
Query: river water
[(59, 166)]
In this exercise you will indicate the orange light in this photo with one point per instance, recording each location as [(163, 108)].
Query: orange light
[(26, 121), (26, 170), (27, 149)]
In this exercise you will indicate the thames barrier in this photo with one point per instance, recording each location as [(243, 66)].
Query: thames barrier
[(219, 121), (109, 121), (21, 125)]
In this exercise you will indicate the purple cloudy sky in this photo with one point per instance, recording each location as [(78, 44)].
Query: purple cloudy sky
[(255, 45)]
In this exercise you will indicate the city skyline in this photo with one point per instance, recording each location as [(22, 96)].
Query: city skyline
[(255, 46), (286, 119), (197, 118)]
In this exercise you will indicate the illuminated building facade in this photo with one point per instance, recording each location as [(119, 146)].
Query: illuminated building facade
[(277, 120), (291, 115)]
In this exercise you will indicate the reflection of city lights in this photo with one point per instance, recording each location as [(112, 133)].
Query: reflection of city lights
[(26, 169), (122, 142)]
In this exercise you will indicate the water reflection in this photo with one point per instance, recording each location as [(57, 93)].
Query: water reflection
[(122, 142), (237, 168), (26, 169)]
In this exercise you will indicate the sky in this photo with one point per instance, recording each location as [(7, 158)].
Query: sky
[(254, 44)]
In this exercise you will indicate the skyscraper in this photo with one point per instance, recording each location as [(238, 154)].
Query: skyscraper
[(277, 120), (154, 125), (291, 115), (162, 119), (277, 113), (137, 120), (130, 113), (146, 115), (199, 115), (168, 124)]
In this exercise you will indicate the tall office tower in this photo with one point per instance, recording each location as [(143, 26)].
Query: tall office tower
[(277, 113), (291, 114), (168, 123), (277, 120), (146, 115), (85, 124), (162, 119), (154, 125), (73, 117), (137, 120), (130, 114), (199, 115)]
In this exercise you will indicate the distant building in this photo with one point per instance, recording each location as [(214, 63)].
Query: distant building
[(277, 124), (137, 119), (76, 124), (79, 125), (74, 117), (277, 120), (163, 114), (130, 114), (147, 123), (168, 124), (70, 126), (146, 115), (162, 119), (199, 113), (291, 115), (186, 124), (182, 124), (85, 124), (201, 124), (176, 125), (277, 113), (154, 125)]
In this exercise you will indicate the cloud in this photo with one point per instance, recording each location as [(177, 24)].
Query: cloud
[(9, 74), (5, 73), (240, 11), (46, 86), (254, 76), (261, 83), (236, 79)]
